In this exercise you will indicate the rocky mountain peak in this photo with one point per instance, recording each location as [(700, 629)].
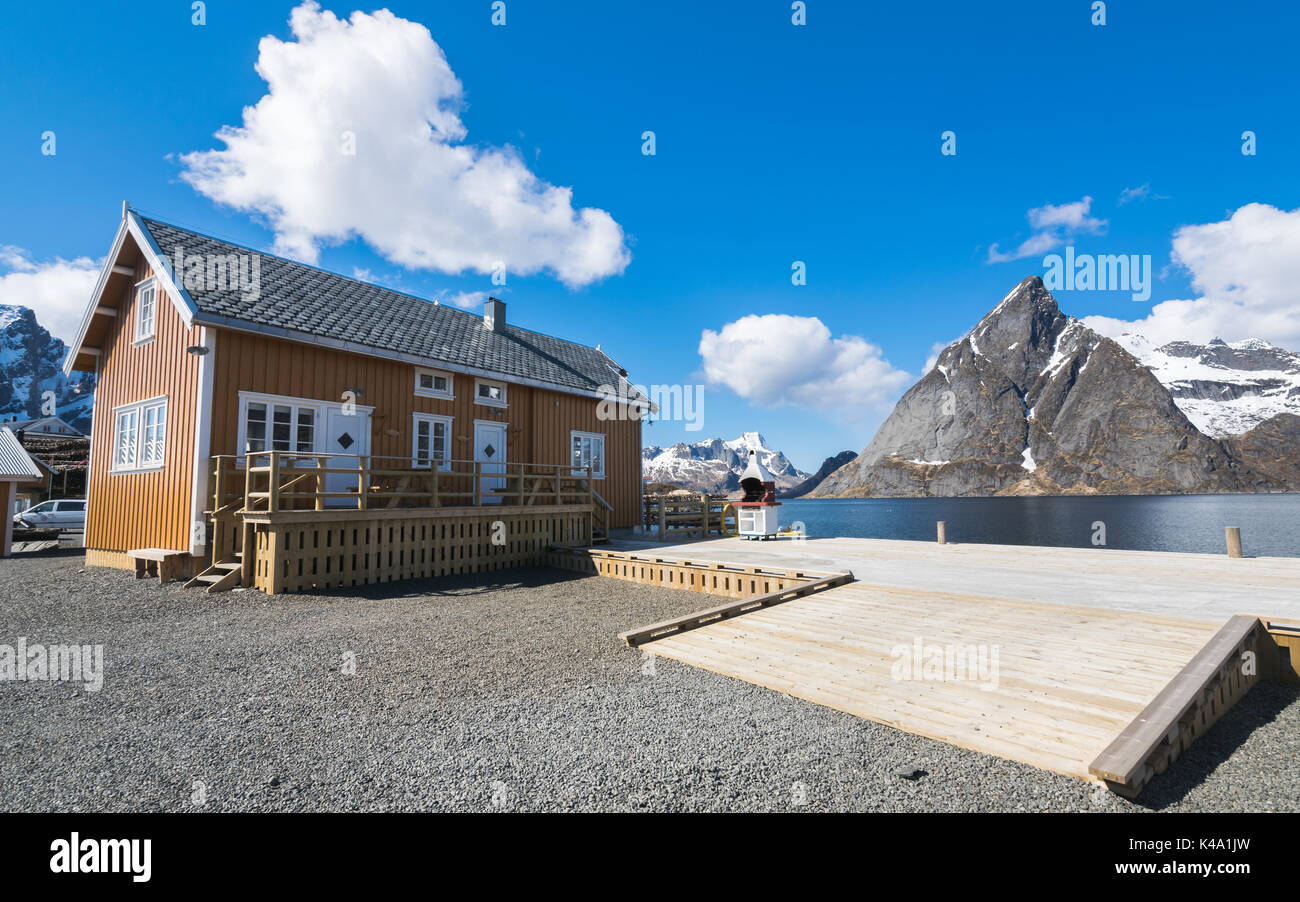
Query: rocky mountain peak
[(1017, 338), (1033, 401), (715, 464)]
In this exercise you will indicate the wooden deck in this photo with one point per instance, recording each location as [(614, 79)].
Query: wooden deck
[(1093, 663), (1068, 680), (1200, 586)]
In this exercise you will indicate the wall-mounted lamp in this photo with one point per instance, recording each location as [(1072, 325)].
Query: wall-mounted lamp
[(196, 350)]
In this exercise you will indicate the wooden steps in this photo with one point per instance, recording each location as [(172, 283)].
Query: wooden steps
[(220, 577)]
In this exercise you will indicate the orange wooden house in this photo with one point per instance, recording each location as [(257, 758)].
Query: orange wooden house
[(263, 422)]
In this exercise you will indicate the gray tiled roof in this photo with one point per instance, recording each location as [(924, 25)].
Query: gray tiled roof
[(301, 298)]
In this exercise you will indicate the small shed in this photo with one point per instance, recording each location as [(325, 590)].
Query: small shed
[(17, 470)]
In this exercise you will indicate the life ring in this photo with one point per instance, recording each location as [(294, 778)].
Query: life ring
[(723, 522)]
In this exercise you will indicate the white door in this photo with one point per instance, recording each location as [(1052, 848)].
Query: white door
[(345, 433), (490, 453)]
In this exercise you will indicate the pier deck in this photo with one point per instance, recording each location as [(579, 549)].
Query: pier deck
[(1082, 650), (1200, 586)]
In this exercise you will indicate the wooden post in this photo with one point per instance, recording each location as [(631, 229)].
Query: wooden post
[(218, 485), (8, 492), (663, 519), (249, 550), (273, 489), (248, 481), (363, 500), (478, 484), (320, 482), (1233, 534), (704, 507), (557, 485), (943, 533)]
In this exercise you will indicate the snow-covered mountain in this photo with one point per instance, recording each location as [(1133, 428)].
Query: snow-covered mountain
[(31, 363), (715, 465), (1224, 388)]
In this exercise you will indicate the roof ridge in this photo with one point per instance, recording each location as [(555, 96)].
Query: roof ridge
[(329, 272)]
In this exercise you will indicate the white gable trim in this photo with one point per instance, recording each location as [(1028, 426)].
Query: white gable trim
[(180, 299), (105, 271)]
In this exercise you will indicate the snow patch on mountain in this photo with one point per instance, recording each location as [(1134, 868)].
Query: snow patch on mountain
[(1224, 388), (715, 465), (31, 373)]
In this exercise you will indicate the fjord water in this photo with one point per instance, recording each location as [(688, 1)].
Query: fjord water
[(1270, 524)]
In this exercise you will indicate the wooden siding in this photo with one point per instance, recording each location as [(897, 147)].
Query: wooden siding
[(151, 509), (539, 420)]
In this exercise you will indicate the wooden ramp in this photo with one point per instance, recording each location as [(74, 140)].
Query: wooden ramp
[(1049, 685)]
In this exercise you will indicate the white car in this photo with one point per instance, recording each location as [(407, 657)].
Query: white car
[(63, 514)]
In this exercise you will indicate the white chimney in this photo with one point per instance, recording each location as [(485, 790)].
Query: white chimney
[(494, 314)]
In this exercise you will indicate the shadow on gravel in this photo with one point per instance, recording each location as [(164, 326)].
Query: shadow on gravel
[(462, 585), (1259, 707), (53, 552)]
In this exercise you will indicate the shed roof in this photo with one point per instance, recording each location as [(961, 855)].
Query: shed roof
[(16, 465)]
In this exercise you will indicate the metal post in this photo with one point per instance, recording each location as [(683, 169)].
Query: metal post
[(943, 533)]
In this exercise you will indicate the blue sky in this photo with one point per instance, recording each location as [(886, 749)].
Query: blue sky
[(775, 143)]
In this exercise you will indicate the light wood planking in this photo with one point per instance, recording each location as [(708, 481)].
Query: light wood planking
[(1068, 678), (1201, 586), (297, 551)]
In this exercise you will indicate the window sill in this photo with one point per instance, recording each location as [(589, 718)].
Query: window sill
[(435, 396), (499, 405), (130, 471), (142, 341)]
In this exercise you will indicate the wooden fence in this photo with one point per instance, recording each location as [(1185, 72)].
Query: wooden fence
[(676, 516)]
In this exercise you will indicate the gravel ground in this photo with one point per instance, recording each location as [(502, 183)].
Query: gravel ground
[(508, 692)]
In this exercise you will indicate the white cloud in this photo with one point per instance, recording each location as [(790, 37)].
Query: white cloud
[(1246, 273), (412, 190), (1053, 225), (466, 300), (58, 290), (778, 359)]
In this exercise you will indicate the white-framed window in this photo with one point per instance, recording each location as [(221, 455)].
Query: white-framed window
[(298, 425), (588, 450), (269, 425), (491, 393), (140, 436), (434, 384), (431, 440), (146, 309)]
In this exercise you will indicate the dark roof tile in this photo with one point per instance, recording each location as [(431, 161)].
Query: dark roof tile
[(305, 299)]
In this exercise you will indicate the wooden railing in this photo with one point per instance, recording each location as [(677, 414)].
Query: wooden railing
[(274, 481), (687, 515), (600, 512)]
